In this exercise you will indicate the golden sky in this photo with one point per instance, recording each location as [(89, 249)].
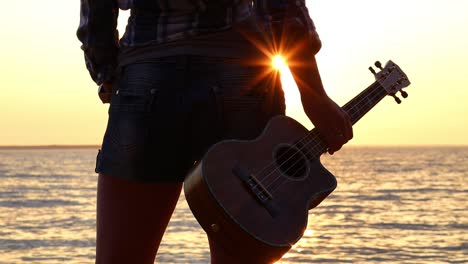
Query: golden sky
[(47, 96)]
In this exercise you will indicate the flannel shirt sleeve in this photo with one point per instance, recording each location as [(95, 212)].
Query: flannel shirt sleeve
[(275, 13), (99, 37)]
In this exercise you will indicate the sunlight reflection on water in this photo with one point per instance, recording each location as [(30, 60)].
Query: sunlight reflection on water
[(401, 205)]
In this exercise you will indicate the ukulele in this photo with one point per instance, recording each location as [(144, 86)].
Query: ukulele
[(252, 197)]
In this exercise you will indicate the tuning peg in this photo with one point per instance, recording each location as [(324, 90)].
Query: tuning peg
[(401, 80), (404, 94), (398, 100), (378, 65), (372, 70)]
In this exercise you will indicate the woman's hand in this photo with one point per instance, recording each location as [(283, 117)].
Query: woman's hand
[(332, 123), (105, 92)]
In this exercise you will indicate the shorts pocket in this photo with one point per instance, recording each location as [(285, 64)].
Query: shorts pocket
[(134, 100), (138, 88)]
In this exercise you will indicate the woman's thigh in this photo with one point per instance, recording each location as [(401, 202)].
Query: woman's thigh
[(132, 218)]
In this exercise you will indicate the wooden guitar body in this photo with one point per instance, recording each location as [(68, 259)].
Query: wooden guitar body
[(229, 205)]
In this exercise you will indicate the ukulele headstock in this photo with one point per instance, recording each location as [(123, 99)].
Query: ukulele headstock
[(392, 79)]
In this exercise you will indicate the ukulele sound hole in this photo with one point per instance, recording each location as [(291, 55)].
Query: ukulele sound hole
[(291, 162)]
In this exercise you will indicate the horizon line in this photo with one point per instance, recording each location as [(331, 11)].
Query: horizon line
[(57, 146), (84, 146)]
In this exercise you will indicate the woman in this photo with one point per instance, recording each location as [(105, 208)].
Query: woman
[(186, 74)]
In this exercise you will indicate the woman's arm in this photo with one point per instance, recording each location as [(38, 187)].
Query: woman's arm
[(294, 36), (98, 34)]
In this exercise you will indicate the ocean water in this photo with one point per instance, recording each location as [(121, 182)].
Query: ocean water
[(392, 205)]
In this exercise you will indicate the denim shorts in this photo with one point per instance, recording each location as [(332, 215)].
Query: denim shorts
[(165, 113)]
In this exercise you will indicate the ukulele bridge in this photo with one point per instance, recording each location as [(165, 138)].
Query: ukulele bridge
[(256, 188)]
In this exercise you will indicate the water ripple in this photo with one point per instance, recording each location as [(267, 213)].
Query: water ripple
[(38, 203)]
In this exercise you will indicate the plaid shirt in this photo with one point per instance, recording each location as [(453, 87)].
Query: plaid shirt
[(158, 21)]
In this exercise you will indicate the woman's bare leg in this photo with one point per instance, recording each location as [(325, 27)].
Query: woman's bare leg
[(132, 218)]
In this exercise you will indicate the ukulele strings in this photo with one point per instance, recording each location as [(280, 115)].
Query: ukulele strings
[(317, 148)]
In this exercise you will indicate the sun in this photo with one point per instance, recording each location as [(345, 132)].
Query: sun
[(279, 63)]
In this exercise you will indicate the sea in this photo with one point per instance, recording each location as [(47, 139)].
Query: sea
[(392, 205)]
